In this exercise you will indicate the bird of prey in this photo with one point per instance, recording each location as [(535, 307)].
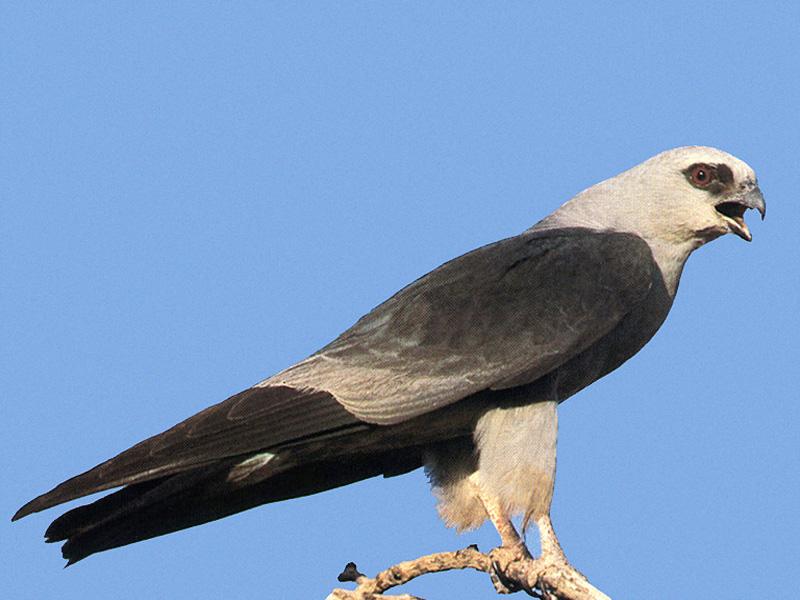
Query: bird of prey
[(460, 372)]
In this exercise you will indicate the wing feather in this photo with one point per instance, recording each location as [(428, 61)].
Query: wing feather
[(253, 420), (500, 316)]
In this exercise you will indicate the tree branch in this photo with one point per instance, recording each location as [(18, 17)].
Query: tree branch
[(510, 569)]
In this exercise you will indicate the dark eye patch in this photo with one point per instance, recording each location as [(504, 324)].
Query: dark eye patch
[(724, 174), (715, 179)]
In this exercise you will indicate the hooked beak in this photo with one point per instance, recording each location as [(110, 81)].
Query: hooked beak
[(733, 210)]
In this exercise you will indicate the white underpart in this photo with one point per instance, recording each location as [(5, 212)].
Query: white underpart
[(516, 464), (517, 460)]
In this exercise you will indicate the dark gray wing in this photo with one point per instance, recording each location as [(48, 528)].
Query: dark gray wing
[(245, 423), (500, 316)]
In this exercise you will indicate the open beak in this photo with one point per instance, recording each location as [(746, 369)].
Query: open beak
[(733, 210)]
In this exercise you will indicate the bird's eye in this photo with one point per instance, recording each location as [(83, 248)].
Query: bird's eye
[(702, 175)]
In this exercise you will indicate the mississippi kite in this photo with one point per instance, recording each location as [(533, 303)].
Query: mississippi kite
[(460, 372)]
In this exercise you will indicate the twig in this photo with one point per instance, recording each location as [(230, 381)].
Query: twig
[(511, 571)]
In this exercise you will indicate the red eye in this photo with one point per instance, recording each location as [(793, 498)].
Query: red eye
[(702, 175)]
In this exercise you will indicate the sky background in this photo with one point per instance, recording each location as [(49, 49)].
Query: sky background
[(196, 196)]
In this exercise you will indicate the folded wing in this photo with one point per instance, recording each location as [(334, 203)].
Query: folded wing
[(498, 317)]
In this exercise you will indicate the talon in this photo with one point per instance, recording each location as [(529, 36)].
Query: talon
[(545, 595), (511, 585), (529, 590)]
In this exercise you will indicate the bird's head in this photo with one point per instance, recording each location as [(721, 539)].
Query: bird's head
[(688, 195), (704, 190)]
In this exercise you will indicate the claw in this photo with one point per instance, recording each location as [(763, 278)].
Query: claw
[(529, 590), (545, 595), (511, 585)]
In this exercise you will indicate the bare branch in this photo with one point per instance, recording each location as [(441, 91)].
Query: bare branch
[(510, 569)]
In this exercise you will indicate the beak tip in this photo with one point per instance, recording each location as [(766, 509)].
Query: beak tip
[(760, 204)]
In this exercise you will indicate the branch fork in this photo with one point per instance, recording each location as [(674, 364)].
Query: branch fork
[(512, 569)]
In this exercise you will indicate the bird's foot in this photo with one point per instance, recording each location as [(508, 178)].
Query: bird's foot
[(511, 568), (506, 561), (549, 577)]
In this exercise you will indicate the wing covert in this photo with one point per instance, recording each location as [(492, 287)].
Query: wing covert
[(500, 316)]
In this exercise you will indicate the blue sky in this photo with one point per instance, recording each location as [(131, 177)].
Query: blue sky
[(195, 196)]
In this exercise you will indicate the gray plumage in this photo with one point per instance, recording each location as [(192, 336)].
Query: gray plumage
[(427, 346), (461, 371)]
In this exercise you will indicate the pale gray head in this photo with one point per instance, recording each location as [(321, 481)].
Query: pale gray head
[(688, 195)]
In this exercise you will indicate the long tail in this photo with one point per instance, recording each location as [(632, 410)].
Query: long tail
[(144, 510)]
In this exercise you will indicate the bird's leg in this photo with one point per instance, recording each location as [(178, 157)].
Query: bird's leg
[(554, 572), (512, 549), (508, 533), (551, 549), (526, 434), (547, 576)]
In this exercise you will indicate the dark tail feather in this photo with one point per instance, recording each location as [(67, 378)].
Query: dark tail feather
[(245, 423), (132, 499), (83, 485), (153, 508)]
